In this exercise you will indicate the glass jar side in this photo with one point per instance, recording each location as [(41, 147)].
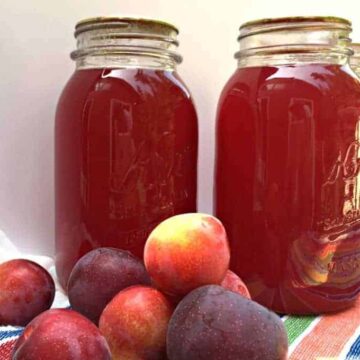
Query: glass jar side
[(286, 181), (126, 141)]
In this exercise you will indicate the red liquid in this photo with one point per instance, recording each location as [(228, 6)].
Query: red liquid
[(126, 156), (288, 184)]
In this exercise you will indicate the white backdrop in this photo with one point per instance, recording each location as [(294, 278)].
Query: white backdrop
[(36, 37)]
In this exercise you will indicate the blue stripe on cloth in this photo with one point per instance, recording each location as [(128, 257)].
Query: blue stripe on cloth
[(9, 333), (354, 352)]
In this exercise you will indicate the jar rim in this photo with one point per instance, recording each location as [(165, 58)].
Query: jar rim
[(293, 23), (297, 19), (118, 21)]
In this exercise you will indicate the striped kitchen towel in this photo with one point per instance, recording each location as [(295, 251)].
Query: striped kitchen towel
[(8, 336), (327, 337)]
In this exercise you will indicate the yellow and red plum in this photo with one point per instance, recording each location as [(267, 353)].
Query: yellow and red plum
[(135, 323), (26, 290), (99, 275), (61, 334), (187, 251), (234, 283), (212, 323)]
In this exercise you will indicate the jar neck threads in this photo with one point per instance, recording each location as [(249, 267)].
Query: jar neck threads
[(355, 59), (126, 43), (294, 40)]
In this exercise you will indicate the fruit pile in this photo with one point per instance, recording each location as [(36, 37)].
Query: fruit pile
[(182, 303)]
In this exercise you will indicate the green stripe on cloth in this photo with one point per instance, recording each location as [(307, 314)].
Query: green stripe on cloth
[(296, 325)]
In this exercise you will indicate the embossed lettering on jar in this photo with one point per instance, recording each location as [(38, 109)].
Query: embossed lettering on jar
[(126, 139), (288, 158)]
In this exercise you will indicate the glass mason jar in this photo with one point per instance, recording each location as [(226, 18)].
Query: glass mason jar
[(355, 58), (287, 182), (125, 139)]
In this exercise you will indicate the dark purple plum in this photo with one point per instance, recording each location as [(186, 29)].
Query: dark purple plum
[(213, 323), (99, 275), (26, 290)]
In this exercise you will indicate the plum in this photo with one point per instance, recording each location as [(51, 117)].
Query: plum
[(212, 323), (26, 290), (234, 283), (99, 275), (61, 334), (187, 251), (135, 324)]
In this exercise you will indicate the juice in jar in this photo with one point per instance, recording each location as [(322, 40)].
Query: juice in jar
[(126, 141), (287, 184)]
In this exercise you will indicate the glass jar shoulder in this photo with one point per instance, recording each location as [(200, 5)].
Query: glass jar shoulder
[(288, 81), (77, 88), (131, 85)]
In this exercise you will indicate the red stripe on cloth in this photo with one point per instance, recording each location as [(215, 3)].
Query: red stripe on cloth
[(329, 336), (6, 348)]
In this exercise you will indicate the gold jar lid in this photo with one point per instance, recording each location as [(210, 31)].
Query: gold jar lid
[(294, 23), (130, 23)]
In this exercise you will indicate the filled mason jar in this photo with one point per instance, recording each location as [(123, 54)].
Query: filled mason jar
[(355, 58), (287, 181), (126, 139)]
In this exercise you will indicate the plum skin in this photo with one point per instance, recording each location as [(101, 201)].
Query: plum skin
[(135, 324), (212, 323), (61, 334), (234, 283), (99, 275), (26, 290), (187, 251)]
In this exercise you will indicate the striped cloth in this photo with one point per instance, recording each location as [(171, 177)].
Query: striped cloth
[(8, 336), (327, 337)]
